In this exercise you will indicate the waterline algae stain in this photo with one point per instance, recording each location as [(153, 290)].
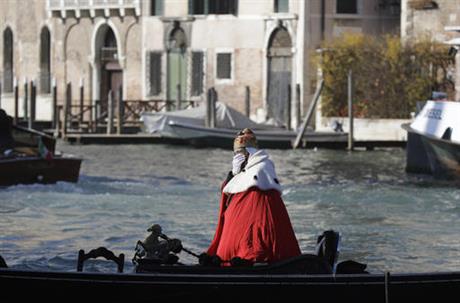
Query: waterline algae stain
[(387, 219)]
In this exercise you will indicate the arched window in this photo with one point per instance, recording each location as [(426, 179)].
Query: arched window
[(45, 61), (8, 60), (109, 50)]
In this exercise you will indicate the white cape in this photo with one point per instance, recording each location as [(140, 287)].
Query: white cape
[(259, 172)]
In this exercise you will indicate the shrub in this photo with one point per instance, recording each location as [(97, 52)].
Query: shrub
[(389, 77)]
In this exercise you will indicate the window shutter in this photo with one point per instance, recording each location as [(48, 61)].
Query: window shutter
[(281, 6), (8, 61), (197, 73), (154, 73), (347, 6), (156, 7), (224, 66), (197, 7)]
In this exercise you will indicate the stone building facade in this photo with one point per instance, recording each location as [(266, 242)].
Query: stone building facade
[(159, 49)]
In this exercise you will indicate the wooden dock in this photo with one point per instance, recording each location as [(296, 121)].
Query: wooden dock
[(143, 138)]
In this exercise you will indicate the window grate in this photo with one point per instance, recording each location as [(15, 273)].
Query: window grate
[(217, 7), (197, 73), (154, 73), (224, 66)]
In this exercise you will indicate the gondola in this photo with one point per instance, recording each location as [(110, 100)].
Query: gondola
[(303, 278)]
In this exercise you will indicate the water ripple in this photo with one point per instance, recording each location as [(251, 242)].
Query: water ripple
[(387, 219)]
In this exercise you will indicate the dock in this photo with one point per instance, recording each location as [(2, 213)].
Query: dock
[(117, 121), (333, 142)]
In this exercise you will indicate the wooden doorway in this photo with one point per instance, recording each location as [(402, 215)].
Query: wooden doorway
[(279, 76), (111, 80), (111, 73)]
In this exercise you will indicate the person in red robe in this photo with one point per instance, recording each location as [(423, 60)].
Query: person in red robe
[(253, 223)]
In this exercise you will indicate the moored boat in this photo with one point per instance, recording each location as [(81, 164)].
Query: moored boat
[(433, 145), (28, 156), (283, 139), (35, 169)]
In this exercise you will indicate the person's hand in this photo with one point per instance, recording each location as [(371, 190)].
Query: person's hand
[(238, 160)]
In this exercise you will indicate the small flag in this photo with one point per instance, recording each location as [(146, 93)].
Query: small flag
[(43, 151)]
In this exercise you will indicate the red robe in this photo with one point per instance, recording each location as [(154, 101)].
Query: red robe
[(254, 225)]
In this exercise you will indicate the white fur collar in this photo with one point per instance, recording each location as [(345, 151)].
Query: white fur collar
[(259, 172)]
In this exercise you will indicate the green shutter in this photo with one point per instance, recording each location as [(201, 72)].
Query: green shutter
[(224, 66), (154, 73), (197, 73)]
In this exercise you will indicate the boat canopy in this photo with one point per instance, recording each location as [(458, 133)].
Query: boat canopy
[(226, 117)]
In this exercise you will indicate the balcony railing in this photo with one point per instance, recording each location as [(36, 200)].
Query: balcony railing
[(77, 6)]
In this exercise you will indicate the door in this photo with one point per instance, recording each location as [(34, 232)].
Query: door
[(177, 75), (279, 76), (279, 79), (111, 80)]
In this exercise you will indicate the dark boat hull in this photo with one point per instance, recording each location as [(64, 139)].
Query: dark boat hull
[(431, 155), (29, 170), (187, 287)]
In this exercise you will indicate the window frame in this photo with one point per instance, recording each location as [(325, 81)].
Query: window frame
[(207, 7), (231, 52), (358, 8), (157, 8), (203, 71), (45, 61), (276, 7), (8, 61), (149, 90)]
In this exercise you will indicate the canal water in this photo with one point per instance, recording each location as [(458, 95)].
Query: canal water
[(388, 219)]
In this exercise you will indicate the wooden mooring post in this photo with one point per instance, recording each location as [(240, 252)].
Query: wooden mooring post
[(211, 108), (350, 111), (54, 110), (32, 107), (82, 96), (67, 108), (287, 113), (25, 104), (247, 101), (304, 125), (298, 109), (178, 97), (120, 111), (16, 101), (109, 112)]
